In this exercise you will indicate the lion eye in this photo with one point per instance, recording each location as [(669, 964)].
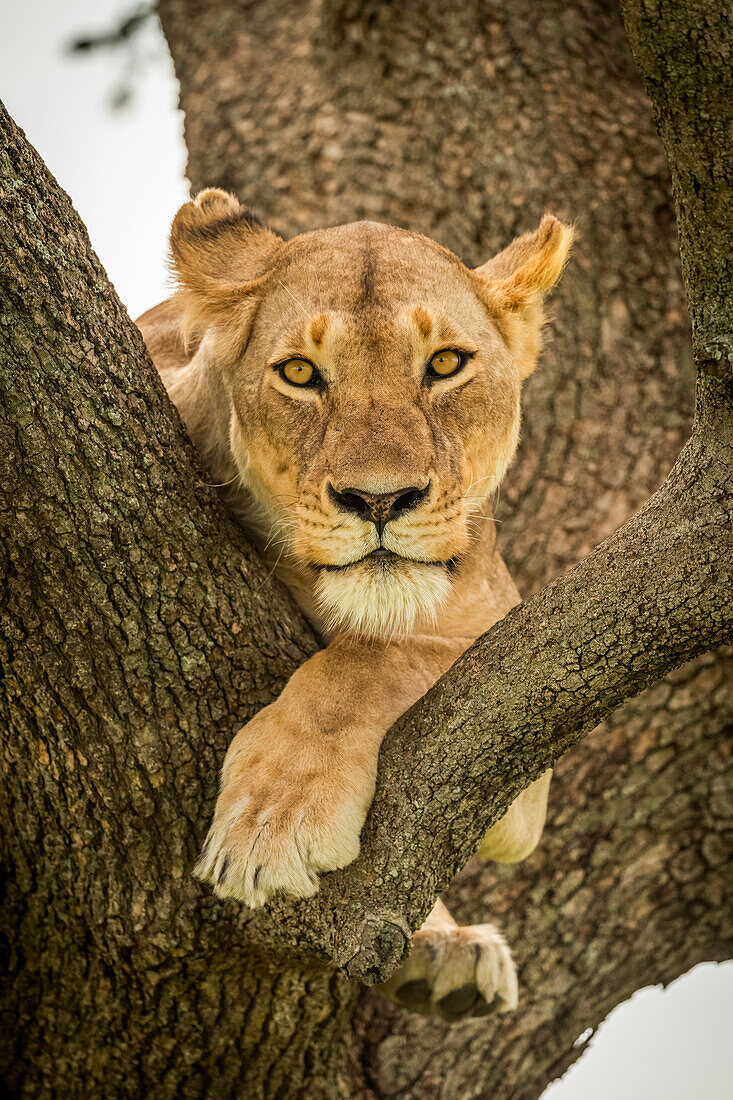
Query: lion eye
[(299, 372), (445, 363)]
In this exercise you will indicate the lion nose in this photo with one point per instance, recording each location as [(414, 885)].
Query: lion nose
[(379, 508)]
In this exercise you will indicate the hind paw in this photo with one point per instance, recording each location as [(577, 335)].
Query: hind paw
[(456, 974)]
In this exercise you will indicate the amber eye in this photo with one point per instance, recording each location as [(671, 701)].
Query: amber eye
[(445, 363), (299, 372)]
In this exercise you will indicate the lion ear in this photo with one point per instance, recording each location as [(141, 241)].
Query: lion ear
[(219, 251), (517, 280)]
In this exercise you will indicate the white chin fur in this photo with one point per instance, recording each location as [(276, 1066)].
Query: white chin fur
[(378, 599)]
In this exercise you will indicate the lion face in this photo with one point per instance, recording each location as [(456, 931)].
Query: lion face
[(374, 383)]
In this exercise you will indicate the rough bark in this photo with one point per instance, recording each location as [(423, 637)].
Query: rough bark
[(167, 987)]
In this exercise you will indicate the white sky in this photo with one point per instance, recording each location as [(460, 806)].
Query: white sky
[(124, 171)]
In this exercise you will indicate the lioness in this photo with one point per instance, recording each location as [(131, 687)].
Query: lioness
[(356, 393)]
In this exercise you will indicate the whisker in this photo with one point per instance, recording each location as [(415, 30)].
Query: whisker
[(273, 568), (298, 304), (278, 530), (221, 484), (478, 481)]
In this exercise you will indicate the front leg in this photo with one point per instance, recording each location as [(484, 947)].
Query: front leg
[(299, 778)]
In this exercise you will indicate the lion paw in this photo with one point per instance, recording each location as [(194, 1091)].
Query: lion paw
[(456, 974), (252, 854), (286, 811)]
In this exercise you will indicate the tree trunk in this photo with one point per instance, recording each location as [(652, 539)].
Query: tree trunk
[(141, 630)]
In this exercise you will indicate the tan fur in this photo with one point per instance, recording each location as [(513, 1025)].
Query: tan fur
[(368, 305)]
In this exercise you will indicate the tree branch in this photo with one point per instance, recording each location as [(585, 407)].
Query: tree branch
[(683, 51)]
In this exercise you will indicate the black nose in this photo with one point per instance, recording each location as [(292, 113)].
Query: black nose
[(380, 508)]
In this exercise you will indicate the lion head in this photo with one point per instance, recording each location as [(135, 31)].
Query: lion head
[(372, 387)]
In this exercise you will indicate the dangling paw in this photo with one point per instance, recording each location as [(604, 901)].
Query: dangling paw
[(456, 974)]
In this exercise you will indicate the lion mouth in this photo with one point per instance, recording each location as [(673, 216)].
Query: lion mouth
[(382, 554), (384, 557)]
